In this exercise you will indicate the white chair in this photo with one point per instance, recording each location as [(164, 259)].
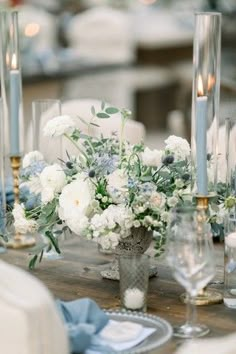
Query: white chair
[(134, 132), (30, 322), (102, 34)]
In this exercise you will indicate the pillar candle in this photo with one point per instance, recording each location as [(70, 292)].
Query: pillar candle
[(15, 89), (201, 145)]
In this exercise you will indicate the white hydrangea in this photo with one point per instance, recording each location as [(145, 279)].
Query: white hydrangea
[(172, 201), (117, 185), (33, 184), (78, 224), (75, 199), (116, 219), (53, 177), (179, 147), (21, 224), (59, 126), (31, 157), (152, 158), (109, 241)]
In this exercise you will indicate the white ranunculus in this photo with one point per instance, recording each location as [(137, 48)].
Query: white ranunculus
[(179, 147), (78, 224), (53, 177), (31, 157), (47, 195), (59, 126), (75, 199), (152, 157), (117, 185)]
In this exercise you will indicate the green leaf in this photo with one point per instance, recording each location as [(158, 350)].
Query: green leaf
[(102, 115), (95, 125), (93, 111), (53, 241), (111, 110), (82, 120), (146, 178), (33, 262)]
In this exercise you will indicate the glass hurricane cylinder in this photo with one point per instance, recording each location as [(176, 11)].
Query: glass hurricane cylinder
[(230, 150), (11, 83), (2, 178), (205, 102), (42, 111)]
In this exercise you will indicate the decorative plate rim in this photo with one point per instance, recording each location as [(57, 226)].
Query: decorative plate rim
[(152, 319)]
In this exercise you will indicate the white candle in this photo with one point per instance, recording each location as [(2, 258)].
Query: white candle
[(134, 299), (15, 91), (201, 145)]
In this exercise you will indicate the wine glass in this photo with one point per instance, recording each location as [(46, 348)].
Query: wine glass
[(190, 255), (42, 111)]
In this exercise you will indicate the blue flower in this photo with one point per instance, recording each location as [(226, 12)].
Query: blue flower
[(33, 170)]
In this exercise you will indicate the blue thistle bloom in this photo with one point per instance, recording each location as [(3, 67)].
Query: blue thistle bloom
[(105, 164)]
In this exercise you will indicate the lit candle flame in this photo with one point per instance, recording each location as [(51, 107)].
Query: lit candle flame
[(32, 29), (210, 82), (200, 91), (13, 61)]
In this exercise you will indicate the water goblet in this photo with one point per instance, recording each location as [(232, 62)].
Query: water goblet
[(190, 256)]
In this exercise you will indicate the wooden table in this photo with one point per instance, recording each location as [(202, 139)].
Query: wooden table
[(78, 275)]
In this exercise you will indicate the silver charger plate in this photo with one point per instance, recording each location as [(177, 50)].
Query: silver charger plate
[(162, 334)]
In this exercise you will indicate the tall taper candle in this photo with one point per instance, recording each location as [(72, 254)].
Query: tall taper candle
[(15, 90), (201, 145)]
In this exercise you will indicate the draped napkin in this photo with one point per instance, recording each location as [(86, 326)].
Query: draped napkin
[(91, 332), (83, 319)]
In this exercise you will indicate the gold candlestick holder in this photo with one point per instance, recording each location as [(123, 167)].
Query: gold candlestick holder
[(19, 240), (205, 296)]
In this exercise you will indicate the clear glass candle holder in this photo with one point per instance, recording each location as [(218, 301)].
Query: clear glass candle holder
[(134, 275), (230, 262)]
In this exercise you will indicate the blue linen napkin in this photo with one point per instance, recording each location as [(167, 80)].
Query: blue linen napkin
[(83, 319)]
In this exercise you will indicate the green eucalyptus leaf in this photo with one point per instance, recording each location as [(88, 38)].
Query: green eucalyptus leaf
[(33, 262), (102, 115), (146, 178), (93, 111), (111, 110)]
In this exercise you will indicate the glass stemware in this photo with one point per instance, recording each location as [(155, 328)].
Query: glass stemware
[(190, 255)]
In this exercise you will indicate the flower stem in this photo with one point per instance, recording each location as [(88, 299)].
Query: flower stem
[(77, 146)]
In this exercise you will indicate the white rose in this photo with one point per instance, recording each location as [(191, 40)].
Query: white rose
[(53, 177), (117, 185), (47, 195), (178, 146), (75, 199), (31, 157), (152, 157), (157, 200), (59, 126)]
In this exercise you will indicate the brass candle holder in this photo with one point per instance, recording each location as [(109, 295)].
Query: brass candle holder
[(205, 296), (19, 240)]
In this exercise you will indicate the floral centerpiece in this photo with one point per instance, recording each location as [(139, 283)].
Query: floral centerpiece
[(106, 190)]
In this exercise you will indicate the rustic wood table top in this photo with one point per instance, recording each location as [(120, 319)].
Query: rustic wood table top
[(77, 275)]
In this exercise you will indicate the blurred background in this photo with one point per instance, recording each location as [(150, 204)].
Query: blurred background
[(131, 53)]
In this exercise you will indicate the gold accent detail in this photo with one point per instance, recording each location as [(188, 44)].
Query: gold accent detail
[(18, 241), (205, 297), (15, 165)]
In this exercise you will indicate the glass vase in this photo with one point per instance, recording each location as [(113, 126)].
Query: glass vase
[(205, 102)]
